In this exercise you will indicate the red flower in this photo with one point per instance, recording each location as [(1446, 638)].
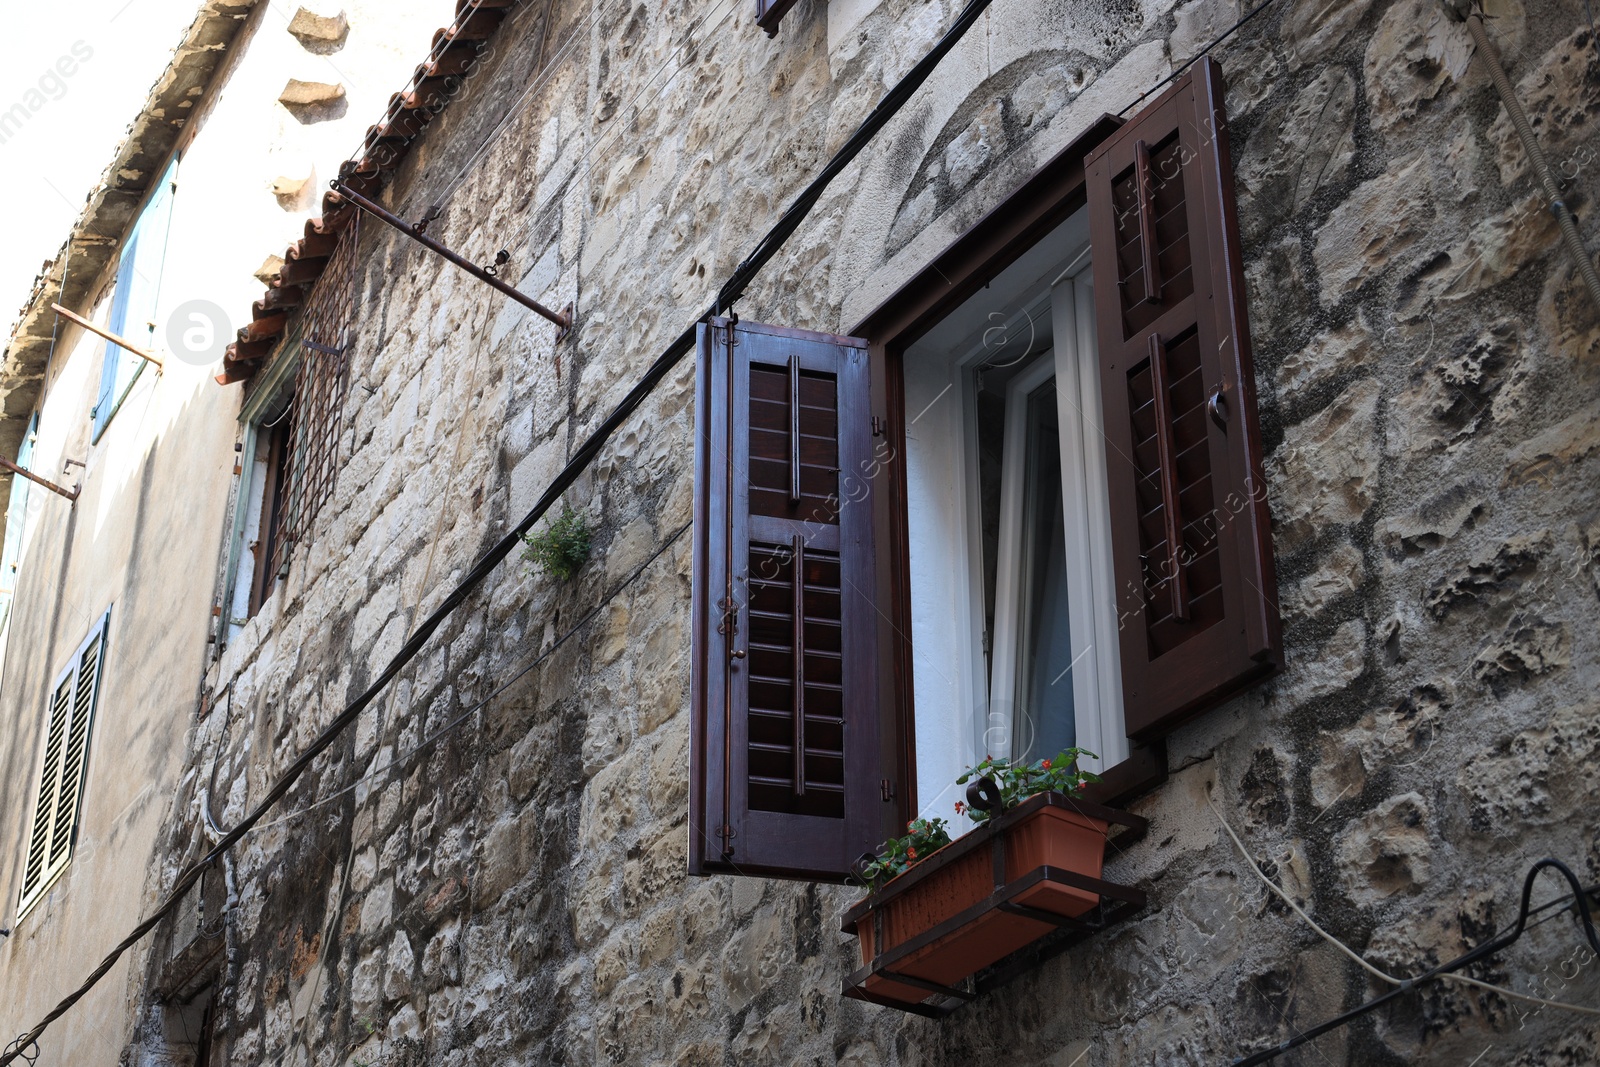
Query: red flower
[(1045, 764), (912, 852), (1083, 785), (960, 807)]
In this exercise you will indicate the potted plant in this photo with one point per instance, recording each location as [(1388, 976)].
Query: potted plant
[(938, 911)]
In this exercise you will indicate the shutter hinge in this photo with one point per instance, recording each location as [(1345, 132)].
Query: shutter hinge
[(729, 627), (879, 425), (886, 788), (727, 834)]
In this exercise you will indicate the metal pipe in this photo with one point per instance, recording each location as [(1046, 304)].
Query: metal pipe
[(70, 494), (383, 215), (1536, 156), (121, 342)]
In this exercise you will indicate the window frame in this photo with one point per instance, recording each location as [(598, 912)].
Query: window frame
[(1011, 229), (120, 370), (1072, 362), (1058, 286)]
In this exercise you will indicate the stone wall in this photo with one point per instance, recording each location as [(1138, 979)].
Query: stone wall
[(490, 868)]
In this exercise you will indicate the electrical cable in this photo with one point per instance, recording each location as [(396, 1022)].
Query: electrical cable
[(1486, 52), (732, 289), (1445, 971), (1192, 60), (473, 709)]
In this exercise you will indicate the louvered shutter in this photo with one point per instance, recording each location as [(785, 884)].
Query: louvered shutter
[(61, 777), (785, 767), (44, 808), (1196, 590)]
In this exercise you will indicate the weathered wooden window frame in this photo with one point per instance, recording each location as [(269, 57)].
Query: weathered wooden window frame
[(1026, 217), (1231, 657)]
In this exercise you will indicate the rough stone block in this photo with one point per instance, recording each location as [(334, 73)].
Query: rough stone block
[(1558, 95), (298, 94), (1388, 851), (1339, 575), (1417, 54), (319, 33), (1314, 27), (1325, 471), (1524, 649), (1380, 221)]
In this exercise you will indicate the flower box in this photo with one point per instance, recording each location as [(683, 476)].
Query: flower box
[(1022, 887)]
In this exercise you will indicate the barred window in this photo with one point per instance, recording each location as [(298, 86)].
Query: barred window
[(296, 434)]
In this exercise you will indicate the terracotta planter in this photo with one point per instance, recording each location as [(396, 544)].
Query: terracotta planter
[(1046, 839)]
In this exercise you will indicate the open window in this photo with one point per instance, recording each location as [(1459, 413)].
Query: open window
[(134, 299), (1040, 500), (293, 420), (1008, 533)]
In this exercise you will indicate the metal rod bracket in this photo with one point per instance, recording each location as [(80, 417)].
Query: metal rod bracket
[(562, 320), (70, 494), (120, 342)]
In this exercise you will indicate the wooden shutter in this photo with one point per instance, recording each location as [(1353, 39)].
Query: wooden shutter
[(770, 12), (1196, 590), (134, 300), (785, 762), (66, 758)]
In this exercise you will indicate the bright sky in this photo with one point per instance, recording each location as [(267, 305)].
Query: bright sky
[(51, 159)]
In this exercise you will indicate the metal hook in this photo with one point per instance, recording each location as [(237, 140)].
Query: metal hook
[(984, 795)]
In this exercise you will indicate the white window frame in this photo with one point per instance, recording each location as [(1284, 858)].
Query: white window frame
[(960, 717)]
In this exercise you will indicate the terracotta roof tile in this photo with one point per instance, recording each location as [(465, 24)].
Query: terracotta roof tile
[(435, 82)]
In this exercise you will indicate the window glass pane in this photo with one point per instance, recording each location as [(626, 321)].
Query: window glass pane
[(990, 402), (1045, 712)]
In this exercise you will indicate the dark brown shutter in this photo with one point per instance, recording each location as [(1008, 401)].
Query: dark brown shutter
[(785, 768), (1197, 595), (770, 12)]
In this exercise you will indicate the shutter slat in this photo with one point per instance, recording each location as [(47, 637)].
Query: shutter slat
[(72, 765), (49, 779), (785, 741), (1196, 583)]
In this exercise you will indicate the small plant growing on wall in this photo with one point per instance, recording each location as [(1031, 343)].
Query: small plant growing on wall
[(561, 547)]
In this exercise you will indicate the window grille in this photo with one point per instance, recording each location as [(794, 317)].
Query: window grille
[(312, 466)]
